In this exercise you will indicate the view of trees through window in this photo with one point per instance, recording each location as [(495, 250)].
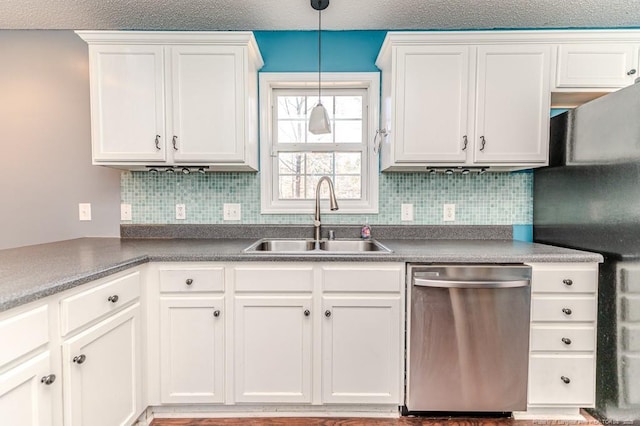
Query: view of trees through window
[(303, 158)]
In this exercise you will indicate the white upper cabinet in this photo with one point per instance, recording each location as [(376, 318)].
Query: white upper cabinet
[(512, 107), (431, 103), (596, 65), (127, 103), (174, 98)]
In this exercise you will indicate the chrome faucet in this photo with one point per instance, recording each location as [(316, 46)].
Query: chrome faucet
[(333, 204)]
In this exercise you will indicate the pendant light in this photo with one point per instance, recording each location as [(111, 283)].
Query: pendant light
[(319, 119)]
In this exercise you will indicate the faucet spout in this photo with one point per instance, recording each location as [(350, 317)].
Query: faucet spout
[(333, 204)]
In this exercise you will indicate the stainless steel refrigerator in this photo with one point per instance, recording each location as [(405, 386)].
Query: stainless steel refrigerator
[(589, 198)]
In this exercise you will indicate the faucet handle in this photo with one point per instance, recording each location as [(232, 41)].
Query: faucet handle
[(332, 234)]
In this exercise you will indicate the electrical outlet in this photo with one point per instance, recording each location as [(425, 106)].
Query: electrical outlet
[(449, 213), (406, 212), (84, 211), (125, 211), (181, 212), (231, 211)]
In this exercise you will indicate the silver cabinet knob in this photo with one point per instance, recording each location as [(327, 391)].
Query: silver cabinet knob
[(307, 312), (113, 299), (567, 282), (216, 313), (189, 281), (566, 340), (47, 380), (327, 313), (631, 71), (565, 379), (79, 359), (566, 311), (157, 142)]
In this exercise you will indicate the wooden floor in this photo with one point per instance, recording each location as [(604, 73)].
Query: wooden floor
[(403, 421)]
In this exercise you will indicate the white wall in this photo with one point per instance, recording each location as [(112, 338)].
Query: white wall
[(45, 153)]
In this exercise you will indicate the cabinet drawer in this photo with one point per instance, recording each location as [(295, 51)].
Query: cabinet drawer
[(547, 376), (360, 279), (562, 339), (274, 278), (565, 281), (192, 280), (563, 309), (84, 307), (22, 333)]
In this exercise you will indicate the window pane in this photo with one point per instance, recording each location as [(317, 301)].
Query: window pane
[(348, 163), (348, 107), (348, 187), (291, 131), (291, 187), (319, 163), (291, 163), (291, 107), (348, 131)]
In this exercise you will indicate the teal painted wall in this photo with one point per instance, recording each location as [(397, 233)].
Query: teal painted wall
[(490, 199)]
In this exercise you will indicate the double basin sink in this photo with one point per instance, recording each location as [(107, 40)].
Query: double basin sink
[(309, 246)]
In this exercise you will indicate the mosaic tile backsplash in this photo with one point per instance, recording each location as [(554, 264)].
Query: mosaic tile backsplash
[(489, 199)]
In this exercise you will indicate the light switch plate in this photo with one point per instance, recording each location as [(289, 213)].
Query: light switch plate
[(231, 211), (84, 211), (181, 212), (125, 211)]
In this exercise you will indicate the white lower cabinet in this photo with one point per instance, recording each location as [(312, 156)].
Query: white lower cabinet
[(273, 349), (192, 349), (360, 349), (102, 372), (563, 337), (26, 393)]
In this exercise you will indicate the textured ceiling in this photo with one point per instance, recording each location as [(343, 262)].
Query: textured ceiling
[(298, 14)]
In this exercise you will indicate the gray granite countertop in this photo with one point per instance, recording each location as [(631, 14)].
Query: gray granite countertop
[(30, 273)]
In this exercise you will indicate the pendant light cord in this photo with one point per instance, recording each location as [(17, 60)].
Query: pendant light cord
[(319, 54)]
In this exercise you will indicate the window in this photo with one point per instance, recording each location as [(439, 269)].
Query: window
[(293, 160)]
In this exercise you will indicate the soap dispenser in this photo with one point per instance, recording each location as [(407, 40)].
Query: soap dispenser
[(365, 232)]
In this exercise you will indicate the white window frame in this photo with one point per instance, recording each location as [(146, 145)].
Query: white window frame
[(370, 81)]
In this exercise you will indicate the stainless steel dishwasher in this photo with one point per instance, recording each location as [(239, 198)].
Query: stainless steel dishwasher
[(468, 338)]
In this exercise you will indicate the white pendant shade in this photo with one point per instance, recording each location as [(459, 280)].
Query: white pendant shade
[(319, 120)]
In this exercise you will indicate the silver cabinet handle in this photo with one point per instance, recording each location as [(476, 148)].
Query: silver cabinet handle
[(79, 359), (566, 340), (566, 311), (465, 141), (158, 142), (327, 313), (631, 71), (567, 282), (307, 312), (47, 380), (216, 313), (483, 142), (565, 379), (174, 141), (189, 281), (113, 299)]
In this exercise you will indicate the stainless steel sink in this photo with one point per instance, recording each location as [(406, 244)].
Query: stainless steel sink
[(308, 246)]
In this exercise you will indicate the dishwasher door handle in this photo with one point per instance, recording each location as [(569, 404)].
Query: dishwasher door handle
[(422, 282)]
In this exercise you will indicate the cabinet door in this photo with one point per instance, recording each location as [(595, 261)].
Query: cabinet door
[(432, 100), (361, 347), (596, 65), (273, 338), (207, 104), (192, 350), (512, 106), (25, 400), (102, 372), (127, 103)]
